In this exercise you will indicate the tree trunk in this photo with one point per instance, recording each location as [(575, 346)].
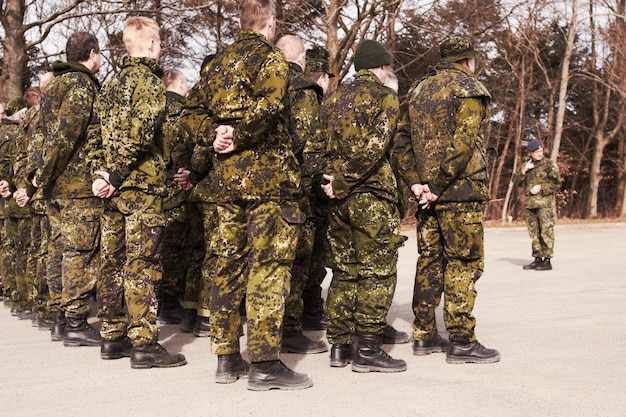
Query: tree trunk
[(14, 69)]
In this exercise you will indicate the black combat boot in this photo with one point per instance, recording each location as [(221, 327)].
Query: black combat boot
[(341, 355), (80, 333), (230, 368), (533, 264), (299, 343), (370, 357), (472, 352), (188, 321), (313, 315), (44, 324), (545, 265), (170, 311), (268, 375), (25, 314), (58, 326), (154, 355), (392, 336), (202, 327), (434, 345), (116, 348)]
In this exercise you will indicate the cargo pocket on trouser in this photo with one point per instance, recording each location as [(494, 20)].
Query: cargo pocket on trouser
[(144, 238), (81, 228)]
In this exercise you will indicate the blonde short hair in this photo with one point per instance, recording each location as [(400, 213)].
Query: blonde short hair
[(138, 29)]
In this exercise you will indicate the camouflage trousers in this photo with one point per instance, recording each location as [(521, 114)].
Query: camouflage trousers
[(131, 237), (294, 306), (174, 256), (450, 242), (317, 265), (38, 261), (55, 257), (364, 237), (259, 237), (194, 278), (15, 242), (78, 237), (209, 227), (182, 255), (540, 224)]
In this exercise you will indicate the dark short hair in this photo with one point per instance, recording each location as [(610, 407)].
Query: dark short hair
[(80, 45)]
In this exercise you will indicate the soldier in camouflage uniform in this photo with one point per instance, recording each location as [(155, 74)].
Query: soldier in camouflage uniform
[(27, 194), (304, 97), (131, 110), (540, 178), (183, 245), (359, 122), (203, 196), (440, 151), (245, 106), (64, 177), (15, 238)]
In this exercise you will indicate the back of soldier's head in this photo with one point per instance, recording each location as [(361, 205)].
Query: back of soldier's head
[(32, 97), (138, 32), (45, 80), (172, 76), (254, 14), (80, 45)]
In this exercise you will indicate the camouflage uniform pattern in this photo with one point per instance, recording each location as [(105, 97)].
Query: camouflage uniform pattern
[(180, 243), (65, 178), (17, 226), (257, 184), (39, 227), (539, 208), (304, 96), (364, 228), (131, 109), (441, 142)]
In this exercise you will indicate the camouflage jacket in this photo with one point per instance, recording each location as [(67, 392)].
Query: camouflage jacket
[(245, 86), (131, 109), (546, 174), (66, 111), (177, 149), (9, 132), (441, 139), (358, 124), (203, 175), (305, 96)]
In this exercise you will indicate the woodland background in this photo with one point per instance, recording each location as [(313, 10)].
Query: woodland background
[(555, 69)]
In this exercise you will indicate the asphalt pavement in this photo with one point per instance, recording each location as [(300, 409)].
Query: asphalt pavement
[(561, 334)]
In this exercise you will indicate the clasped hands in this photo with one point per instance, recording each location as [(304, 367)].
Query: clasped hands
[(423, 195)]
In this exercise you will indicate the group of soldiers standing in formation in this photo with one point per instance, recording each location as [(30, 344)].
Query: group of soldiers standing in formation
[(200, 207)]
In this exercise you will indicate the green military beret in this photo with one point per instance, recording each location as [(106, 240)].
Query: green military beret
[(456, 49)]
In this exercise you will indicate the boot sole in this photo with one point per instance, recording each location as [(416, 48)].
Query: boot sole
[(468, 359), (428, 351), (78, 344), (229, 378), (396, 341), (365, 369), (148, 365), (110, 356), (286, 349), (339, 364), (266, 386)]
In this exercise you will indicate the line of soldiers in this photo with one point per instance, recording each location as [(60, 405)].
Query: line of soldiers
[(231, 200)]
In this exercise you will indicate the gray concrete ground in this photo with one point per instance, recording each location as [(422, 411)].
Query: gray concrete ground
[(561, 335)]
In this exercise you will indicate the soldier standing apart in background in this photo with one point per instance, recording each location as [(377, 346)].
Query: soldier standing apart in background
[(359, 122), (258, 182), (304, 97), (131, 174), (441, 156), (540, 178)]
